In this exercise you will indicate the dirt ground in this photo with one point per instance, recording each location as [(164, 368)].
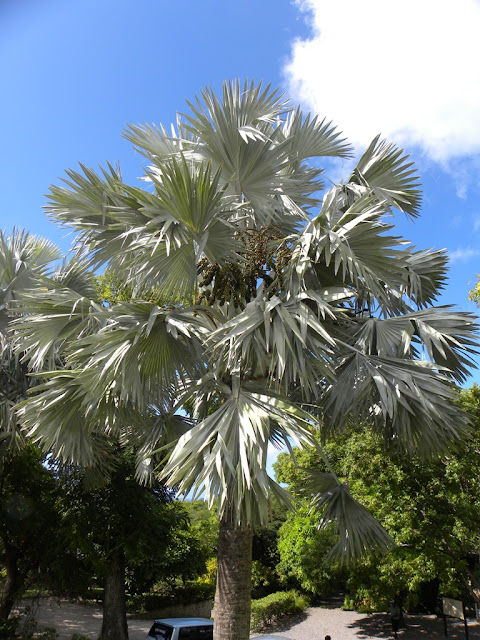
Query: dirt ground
[(316, 622)]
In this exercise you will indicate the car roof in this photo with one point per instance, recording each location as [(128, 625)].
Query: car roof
[(185, 622)]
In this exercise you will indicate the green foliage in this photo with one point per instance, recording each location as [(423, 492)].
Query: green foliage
[(8, 628), (168, 593), (431, 508), (474, 294), (209, 578), (151, 528), (264, 579), (267, 610), (265, 576), (32, 547), (303, 550), (204, 524), (111, 290)]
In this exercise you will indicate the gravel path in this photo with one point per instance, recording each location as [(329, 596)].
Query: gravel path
[(314, 624), (317, 622)]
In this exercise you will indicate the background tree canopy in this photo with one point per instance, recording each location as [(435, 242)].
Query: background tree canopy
[(430, 508)]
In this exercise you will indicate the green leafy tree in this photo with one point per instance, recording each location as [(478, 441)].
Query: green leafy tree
[(265, 578), (430, 508), (303, 550), (127, 533), (204, 524), (30, 544), (280, 302)]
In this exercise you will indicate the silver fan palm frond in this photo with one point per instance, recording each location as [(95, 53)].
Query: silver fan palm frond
[(385, 170), (358, 532), (141, 352), (48, 320), (411, 402), (225, 454), (77, 423)]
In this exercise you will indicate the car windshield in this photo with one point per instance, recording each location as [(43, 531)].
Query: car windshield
[(161, 631), (196, 633)]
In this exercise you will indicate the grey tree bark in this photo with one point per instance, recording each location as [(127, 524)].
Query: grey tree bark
[(233, 592), (114, 624)]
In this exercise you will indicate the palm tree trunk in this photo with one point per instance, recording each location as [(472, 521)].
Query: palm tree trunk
[(114, 624), (233, 593)]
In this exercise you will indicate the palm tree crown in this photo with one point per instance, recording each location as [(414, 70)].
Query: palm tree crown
[(265, 305)]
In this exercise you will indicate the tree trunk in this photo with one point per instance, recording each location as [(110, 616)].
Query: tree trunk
[(473, 584), (13, 584), (114, 624), (233, 593)]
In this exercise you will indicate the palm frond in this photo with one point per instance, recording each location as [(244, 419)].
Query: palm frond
[(155, 143), (349, 242), (448, 337), (25, 261), (88, 200), (384, 169), (73, 274), (218, 122), (426, 275), (310, 137), (47, 320), (358, 532), (225, 455), (411, 402), (142, 353), (284, 341), (61, 403)]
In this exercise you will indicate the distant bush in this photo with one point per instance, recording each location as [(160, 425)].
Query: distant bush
[(179, 594), (267, 610)]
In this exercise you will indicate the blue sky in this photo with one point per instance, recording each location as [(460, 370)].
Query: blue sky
[(74, 73)]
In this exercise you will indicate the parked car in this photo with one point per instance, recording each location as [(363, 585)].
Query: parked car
[(181, 629)]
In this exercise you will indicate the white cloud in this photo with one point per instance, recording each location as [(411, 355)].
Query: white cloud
[(463, 254), (408, 70)]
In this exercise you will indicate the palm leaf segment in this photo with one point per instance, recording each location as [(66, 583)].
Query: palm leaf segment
[(339, 508), (340, 316)]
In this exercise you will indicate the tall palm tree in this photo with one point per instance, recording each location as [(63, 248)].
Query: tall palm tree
[(284, 309)]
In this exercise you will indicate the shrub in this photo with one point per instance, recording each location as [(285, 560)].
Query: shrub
[(276, 605), (46, 633), (179, 594)]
